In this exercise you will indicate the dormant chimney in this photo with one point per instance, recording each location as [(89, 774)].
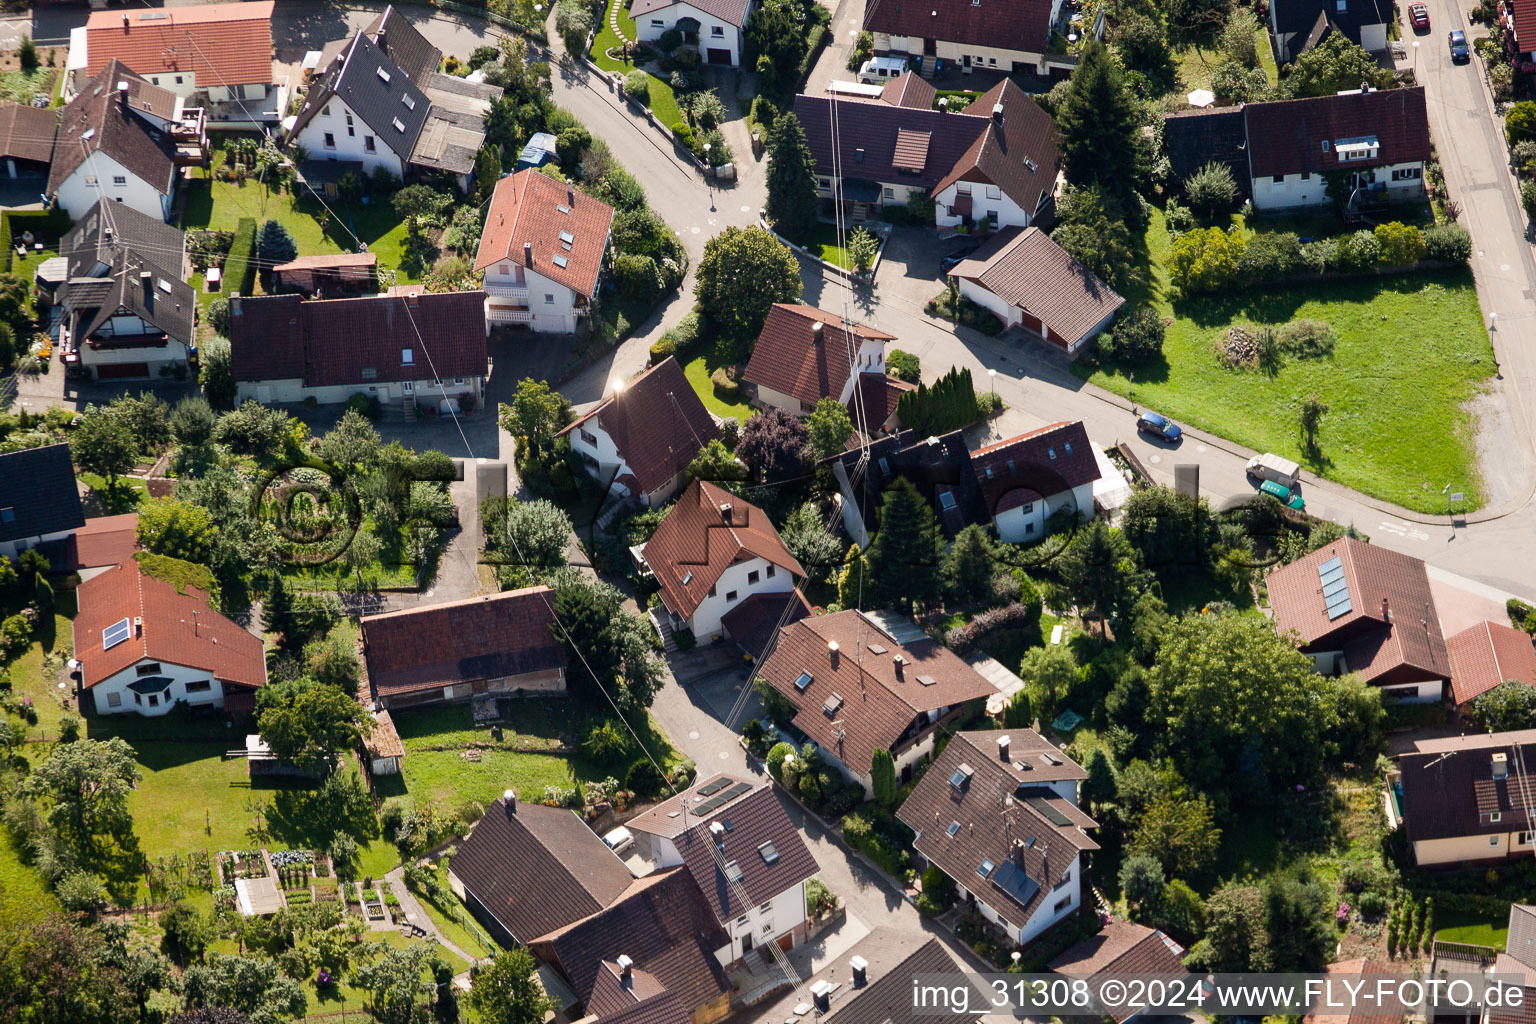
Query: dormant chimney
[(509, 798), (1501, 765), (860, 968), (818, 330), (527, 254), (1002, 748)]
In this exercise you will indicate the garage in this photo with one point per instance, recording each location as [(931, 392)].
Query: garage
[(121, 371), (1031, 322), (720, 56)]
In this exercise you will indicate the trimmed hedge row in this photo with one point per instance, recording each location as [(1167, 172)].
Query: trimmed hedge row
[(241, 265)]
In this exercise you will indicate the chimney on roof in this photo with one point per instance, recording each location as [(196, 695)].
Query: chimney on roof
[(138, 625), (832, 650), (125, 23), (122, 93), (725, 512), (1386, 611), (527, 254), (194, 623), (717, 832), (821, 993), (509, 799), (818, 331), (897, 662), (1002, 749), (626, 967), (997, 113), (570, 196), (860, 971), (1501, 765)]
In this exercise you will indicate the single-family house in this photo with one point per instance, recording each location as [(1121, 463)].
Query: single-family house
[(526, 870), (623, 994), (992, 165), (804, 354), (874, 403), (217, 57), (871, 983), (712, 552), (640, 440), (1518, 20), (39, 503), (857, 689), (497, 643), (146, 644), (1122, 948), (1468, 799), (661, 924), (1018, 862), (1027, 479), (125, 310), (713, 26), (1198, 136), (542, 252), (1377, 139), (1356, 607), (1488, 654), (381, 102), (994, 35), (327, 273), (26, 141), (106, 150), (417, 349), (747, 857), (102, 543), (1296, 26), (1026, 280), (939, 467)]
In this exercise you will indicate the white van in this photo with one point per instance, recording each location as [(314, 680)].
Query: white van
[(1270, 466), (878, 70)]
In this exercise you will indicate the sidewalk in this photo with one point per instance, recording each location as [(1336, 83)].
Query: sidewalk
[(417, 915)]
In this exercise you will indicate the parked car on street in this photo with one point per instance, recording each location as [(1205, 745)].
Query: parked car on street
[(1270, 466), (1418, 15), (1159, 425), (1460, 53), (1284, 495)]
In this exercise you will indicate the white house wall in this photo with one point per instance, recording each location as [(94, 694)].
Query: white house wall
[(1296, 190), (989, 300), (786, 911), (550, 306), (76, 197), (1044, 916), (652, 26), (333, 119), (705, 620), (1017, 526), (985, 199), (994, 58), (172, 353), (12, 549), (290, 391), (180, 676)]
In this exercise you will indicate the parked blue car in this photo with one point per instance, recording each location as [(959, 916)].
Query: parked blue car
[(1158, 425)]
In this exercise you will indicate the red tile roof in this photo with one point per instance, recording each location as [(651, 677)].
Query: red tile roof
[(326, 261), (788, 357), (106, 540), (1287, 136), (180, 628), (657, 423), (1361, 1014), (1028, 270), (331, 342), (485, 637), (1121, 948), (1486, 655), (878, 703), (1023, 25), (223, 44), (1017, 153), (531, 208), (753, 623), (1391, 632), (1524, 13), (706, 532), (1039, 464), (875, 398), (909, 90)]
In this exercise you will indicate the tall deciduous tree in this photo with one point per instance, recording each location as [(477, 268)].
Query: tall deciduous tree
[(505, 991), (537, 412), (792, 201), (1334, 65), (83, 787), (829, 427), (398, 986), (1510, 705), (1099, 122), (716, 463), (743, 273), (604, 644), (308, 723), (102, 443), (904, 558), (773, 443), (815, 547)]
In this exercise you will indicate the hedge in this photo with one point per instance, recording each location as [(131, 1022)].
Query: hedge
[(50, 224), (241, 265), (816, 41), (964, 637), (860, 833)]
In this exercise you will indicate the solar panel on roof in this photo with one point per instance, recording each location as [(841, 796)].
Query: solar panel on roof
[(1050, 813), (1333, 563), (1019, 886), (736, 791), (1335, 585), (714, 787), (708, 806), (116, 634)]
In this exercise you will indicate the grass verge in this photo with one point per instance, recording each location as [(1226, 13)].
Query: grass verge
[(697, 370), (1473, 930)]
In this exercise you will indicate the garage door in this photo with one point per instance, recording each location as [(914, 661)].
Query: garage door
[(717, 56), (1031, 322), (121, 371)]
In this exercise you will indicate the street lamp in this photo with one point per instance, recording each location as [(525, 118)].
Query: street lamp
[(993, 374)]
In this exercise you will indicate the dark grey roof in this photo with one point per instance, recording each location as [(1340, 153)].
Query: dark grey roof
[(96, 120), (935, 466), (374, 88), (449, 140), (892, 958), (1521, 943), (1194, 138), (408, 48), (97, 240), (162, 298), (1301, 17), (38, 495)]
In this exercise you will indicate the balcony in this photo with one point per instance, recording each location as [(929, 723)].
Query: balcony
[(507, 315), (510, 291), (190, 136)]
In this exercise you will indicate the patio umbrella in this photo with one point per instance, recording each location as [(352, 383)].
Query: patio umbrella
[(1202, 98)]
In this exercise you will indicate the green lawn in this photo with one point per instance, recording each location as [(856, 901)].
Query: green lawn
[(697, 370), (1195, 62), (663, 102), (32, 674), (1411, 350), (125, 497), (23, 896), (1473, 930), (221, 204), (20, 86), (608, 38), (821, 241)]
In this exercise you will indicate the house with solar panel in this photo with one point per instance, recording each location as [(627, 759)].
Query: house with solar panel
[(1356, 607), (997, 812), (745, 854)]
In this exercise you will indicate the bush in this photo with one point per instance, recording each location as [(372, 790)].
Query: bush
[(964, 638), (1520, 122), (1449, 242), (1306, 339), (218, 316), (1359, 251), (644, 779), (670, 40), (1178, 217), (775, 759), (1136, 337), (725, 387), (1207, 260), (764, 113), (1521, 615), (637, 86), (638, 277), (1401, 244), (903, 366), (1211, 191), (1271, 255), (605, 744), (860, 833), (364, 405)]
